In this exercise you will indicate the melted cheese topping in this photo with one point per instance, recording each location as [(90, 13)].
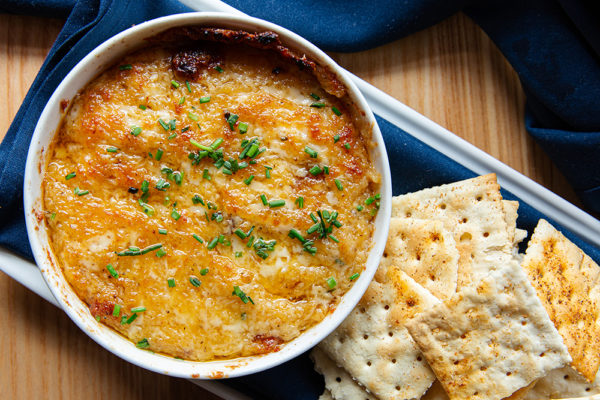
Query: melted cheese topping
[(289, 288)]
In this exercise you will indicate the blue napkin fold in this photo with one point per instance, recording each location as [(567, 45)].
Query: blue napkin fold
[(553, 46)]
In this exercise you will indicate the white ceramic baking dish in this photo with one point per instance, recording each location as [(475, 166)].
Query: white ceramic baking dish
[(108, 54)]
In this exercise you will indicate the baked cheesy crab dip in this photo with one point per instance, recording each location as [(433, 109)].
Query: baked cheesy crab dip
[(212, 198)]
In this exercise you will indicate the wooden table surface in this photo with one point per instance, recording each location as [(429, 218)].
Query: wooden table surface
[(452, 73)]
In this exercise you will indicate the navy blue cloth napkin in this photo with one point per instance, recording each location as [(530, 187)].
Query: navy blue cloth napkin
[(553, 46)]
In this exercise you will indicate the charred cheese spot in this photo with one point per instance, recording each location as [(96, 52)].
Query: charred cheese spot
[(186, 285)]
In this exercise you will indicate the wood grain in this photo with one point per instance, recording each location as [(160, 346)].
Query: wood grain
[(451, 73)]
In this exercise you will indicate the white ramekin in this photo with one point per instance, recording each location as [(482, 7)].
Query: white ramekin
[(94, 63)]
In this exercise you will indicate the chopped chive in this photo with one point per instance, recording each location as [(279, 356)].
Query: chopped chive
[(200, 145), (326, 169), (347, 146), (171, 282), (268, 172), (263, 198), (204, 271), (314, 228), (189, 88), (159, 154), (334, 238), (336, 138), (312, 216), (97, 317), (339, 185), (172, 136), (142, 344), (250, 241), (195, 281), (231, 120), (52, 216), (193, 117), (116, 310), (243, 127), (112, 149), (161, 253), (227, 171), (377, 196), (249, 180), (175, 84), (238, 254), (131, 319), (182, 100), (331, 283), (138, 309), (142, 107), (80, 192), (336, 111), (276, 203), (300, 202), (215, 145), (112, 271), (315, 96), (198, 238), (162, 185), (197, 199), (125, 67), (145, 186), (175, 214), (369, 200), (150, 248), (173, 124), (218, 68), (359, 207), (136, 130), (70, 176), (204, 99), (315, 170), (311, 152), (353, 277), (294, 234), (239, 293), (164, 125), (213, 243), (253, 151), (162, 231), (185, 129), (318, 105), (240, 233)]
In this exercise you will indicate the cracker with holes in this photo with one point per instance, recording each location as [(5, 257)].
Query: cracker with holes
[(567, 282), (373, 345), (338, 382), (473, 210), (561, 383), (426, 251), (491, 339)]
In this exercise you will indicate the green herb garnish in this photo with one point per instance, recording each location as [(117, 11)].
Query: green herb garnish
[(112, 271), (311, 152), (195, 281), (239, 293)]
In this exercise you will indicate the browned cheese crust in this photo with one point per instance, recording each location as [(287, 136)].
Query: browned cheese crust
[(199, 318)]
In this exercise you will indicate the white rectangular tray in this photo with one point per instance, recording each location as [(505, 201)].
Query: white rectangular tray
[(417, 125)]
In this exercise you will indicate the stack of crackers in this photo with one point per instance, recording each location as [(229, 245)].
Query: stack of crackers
[(455, 312)]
